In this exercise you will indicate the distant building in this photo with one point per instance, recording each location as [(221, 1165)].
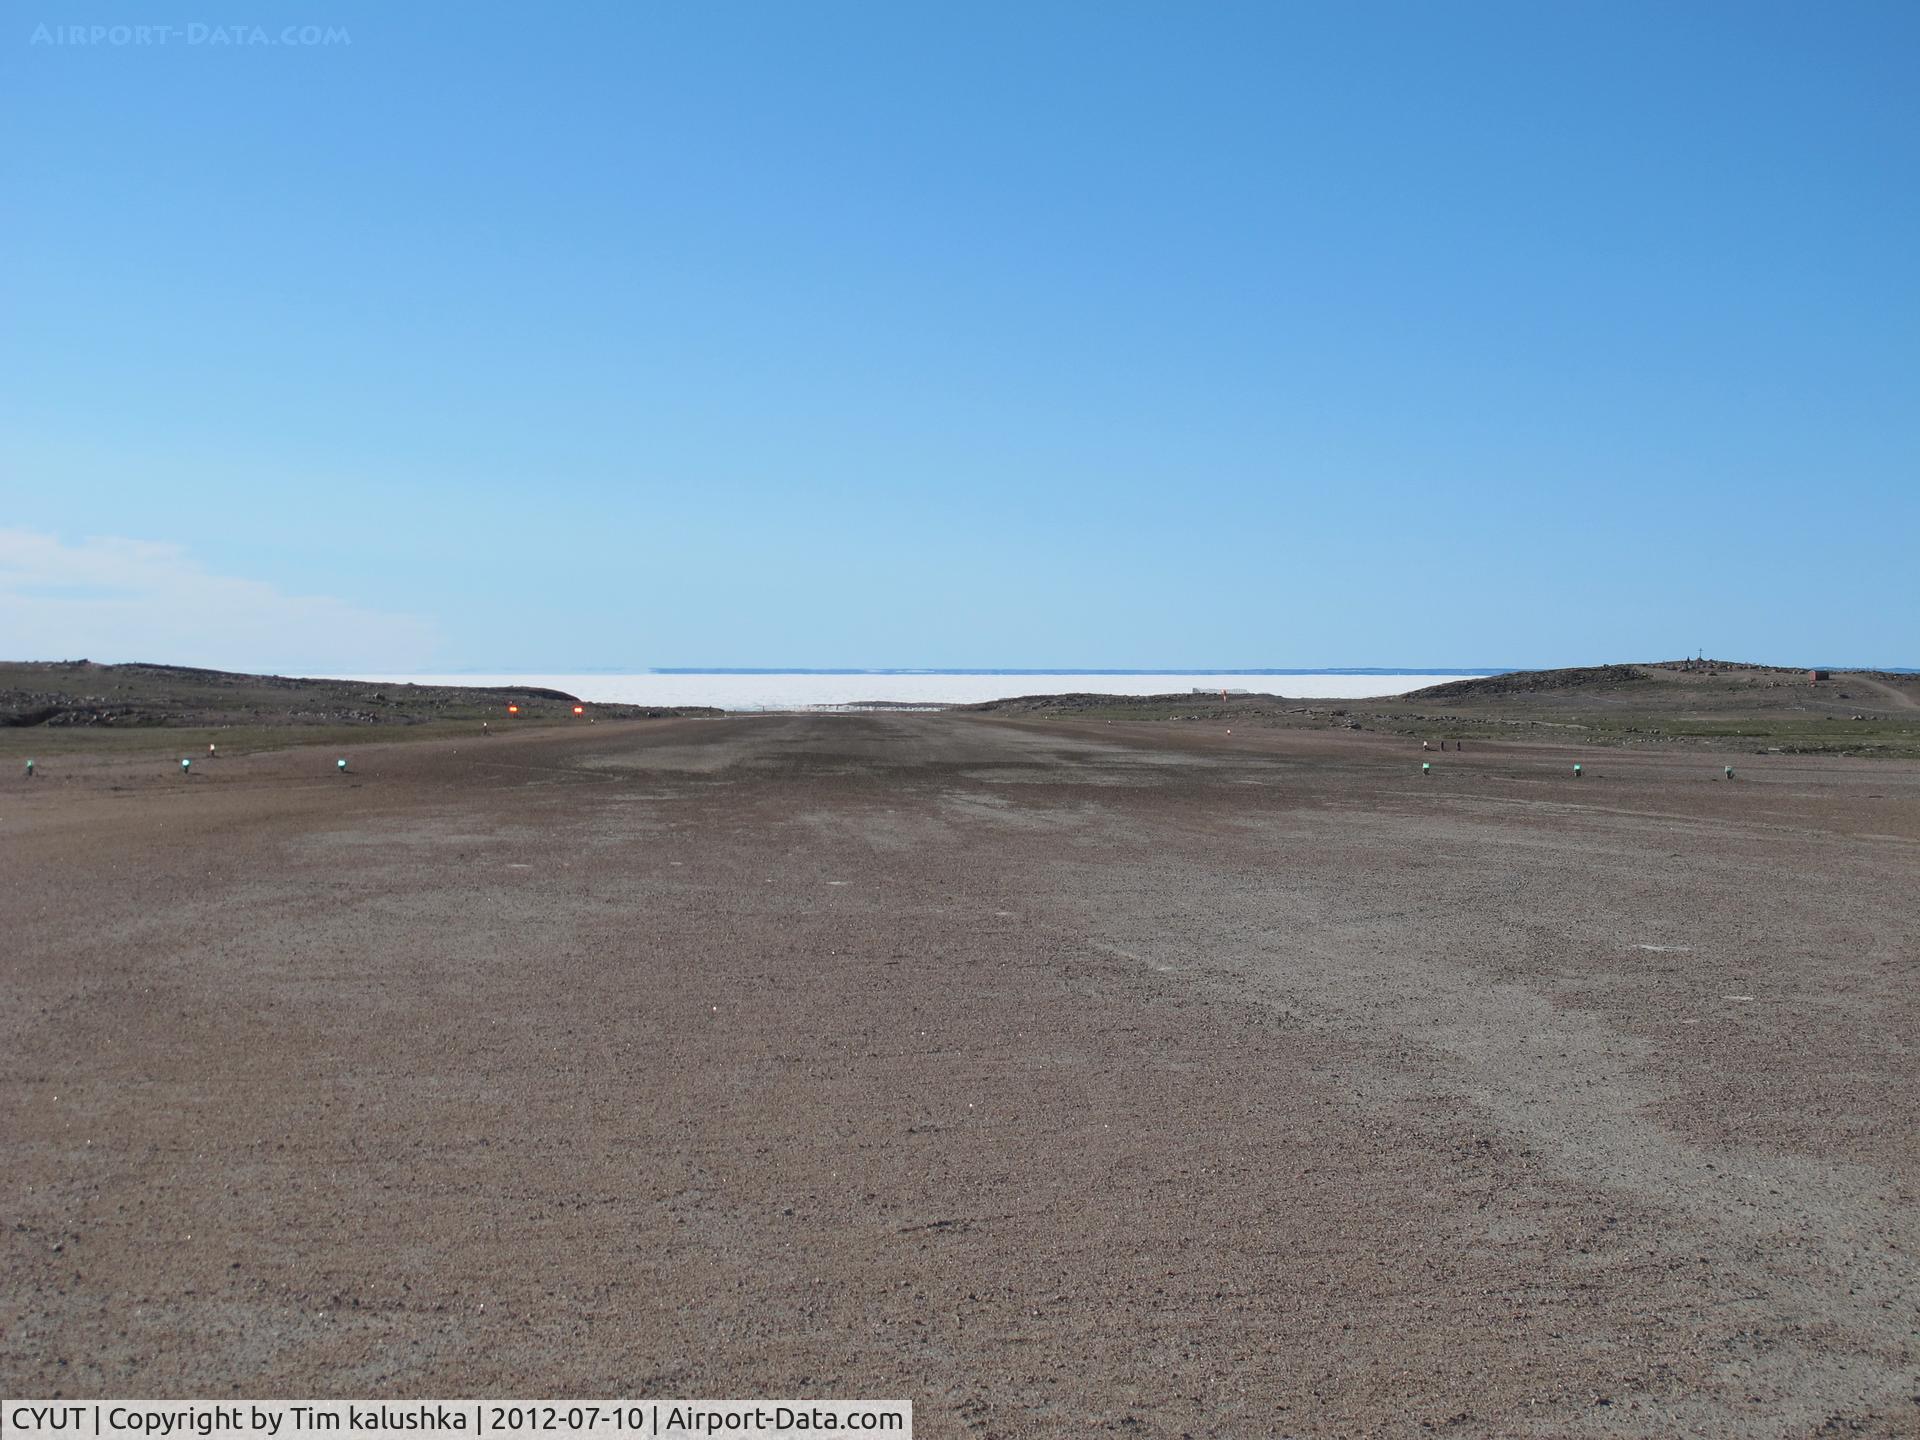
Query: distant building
[(1814, 677)]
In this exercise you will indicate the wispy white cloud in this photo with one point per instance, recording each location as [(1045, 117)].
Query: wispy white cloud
[(113, 599)]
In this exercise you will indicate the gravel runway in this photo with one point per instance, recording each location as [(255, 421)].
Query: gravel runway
[(1062, 1078)]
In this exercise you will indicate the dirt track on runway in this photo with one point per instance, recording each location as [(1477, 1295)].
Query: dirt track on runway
[(1058, 1078)]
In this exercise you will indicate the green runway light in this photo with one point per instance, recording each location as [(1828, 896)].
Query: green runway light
[(1426, 768), (1729, 772), (29, 769), (1576, 769), (342, 764), (185, 766)]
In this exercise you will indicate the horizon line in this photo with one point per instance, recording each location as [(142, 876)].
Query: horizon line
[(968, 670), (1105, 670)]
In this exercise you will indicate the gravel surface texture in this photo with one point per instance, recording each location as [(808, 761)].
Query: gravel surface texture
[(1063, 1078)]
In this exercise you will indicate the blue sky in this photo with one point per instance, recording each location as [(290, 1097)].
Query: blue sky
[(972, 335)]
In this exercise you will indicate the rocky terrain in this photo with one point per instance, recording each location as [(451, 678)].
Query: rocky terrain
[(1758, 709), (62, 697)]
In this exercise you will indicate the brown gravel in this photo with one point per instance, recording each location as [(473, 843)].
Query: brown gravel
[(1062, 1078)]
